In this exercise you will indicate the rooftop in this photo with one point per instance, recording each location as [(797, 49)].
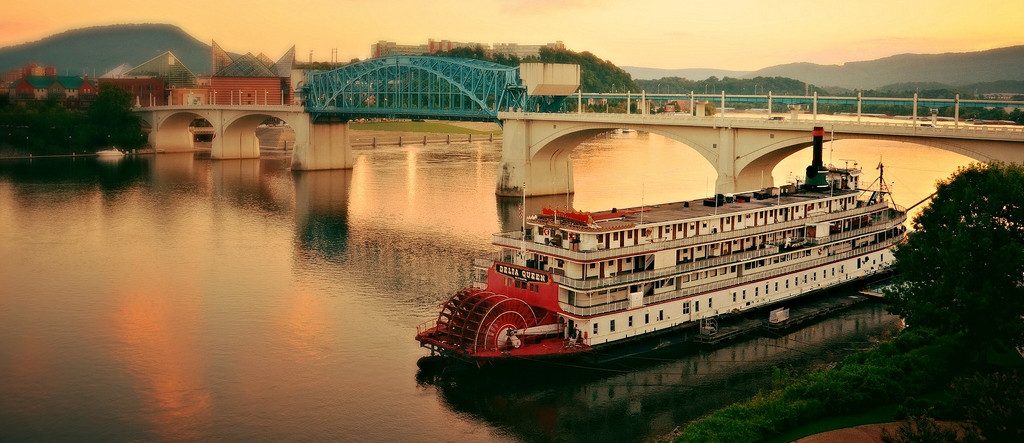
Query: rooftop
[(669, 212)]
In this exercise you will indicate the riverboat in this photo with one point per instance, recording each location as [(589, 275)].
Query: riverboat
[(571, 283)]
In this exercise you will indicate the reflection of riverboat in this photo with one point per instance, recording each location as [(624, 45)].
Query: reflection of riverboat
[(572, 282)]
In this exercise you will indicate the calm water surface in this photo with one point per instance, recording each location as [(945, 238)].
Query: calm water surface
[(179, 298)]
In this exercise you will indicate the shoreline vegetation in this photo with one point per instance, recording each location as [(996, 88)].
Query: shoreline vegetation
[(956, 372), (47, 127)]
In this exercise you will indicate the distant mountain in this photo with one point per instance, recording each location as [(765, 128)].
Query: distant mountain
[(954, 68), (641, 73), (99, 49)]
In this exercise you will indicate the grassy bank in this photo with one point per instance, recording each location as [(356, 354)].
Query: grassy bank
[(914, 374), (424, 127)]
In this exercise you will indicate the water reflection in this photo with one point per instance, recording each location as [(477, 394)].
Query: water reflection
[(644, 395), (321, 211), (158, 348)]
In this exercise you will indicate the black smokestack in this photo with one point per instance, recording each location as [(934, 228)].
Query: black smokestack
[(819, 135), (816, 172)]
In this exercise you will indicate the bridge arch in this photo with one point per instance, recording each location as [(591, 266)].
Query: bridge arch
[(537, 155), (765, 159), (238, 137), (170, 132)]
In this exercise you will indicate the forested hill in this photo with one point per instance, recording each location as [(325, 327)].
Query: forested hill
[(98, 49), (715, 85)]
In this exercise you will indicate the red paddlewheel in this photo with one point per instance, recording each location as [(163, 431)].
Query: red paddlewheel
[(509, 314), (475, 319)]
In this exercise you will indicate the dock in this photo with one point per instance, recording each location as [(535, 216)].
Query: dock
[(799, 314)]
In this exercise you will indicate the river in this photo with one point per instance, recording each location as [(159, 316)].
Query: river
[(178, 298)]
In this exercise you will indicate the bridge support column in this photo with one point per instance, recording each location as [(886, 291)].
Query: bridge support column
[(726, 167), (547, 173), (322, 146)]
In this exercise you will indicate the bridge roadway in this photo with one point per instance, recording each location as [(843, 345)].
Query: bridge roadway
[(536, 146)]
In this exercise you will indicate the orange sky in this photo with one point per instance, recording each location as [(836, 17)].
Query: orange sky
[(743, 35)]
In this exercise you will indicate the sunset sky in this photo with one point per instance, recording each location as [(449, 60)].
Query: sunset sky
[(742, 35)]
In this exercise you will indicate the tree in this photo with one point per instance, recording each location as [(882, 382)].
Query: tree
[(962, 268), (111, 115)]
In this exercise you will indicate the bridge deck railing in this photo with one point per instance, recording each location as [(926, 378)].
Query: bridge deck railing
[(908, 128)]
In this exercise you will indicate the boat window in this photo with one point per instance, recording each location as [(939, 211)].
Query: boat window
[(661, 314), (686, 307), (595, 328), (629, 321), (696, 306), (611, 326), (647, 318)]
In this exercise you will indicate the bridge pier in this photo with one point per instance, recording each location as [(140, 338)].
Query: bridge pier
[(321, 146), (545, 173)]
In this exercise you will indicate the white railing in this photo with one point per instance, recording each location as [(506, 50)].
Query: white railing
[(768, 273), (908, 128), (512, 239)]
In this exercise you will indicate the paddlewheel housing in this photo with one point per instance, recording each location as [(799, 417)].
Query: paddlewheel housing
[(476, 320)]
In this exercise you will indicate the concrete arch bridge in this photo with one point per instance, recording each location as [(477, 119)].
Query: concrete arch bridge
[(536, 146)]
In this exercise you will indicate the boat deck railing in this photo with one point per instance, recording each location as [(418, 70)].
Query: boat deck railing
[(768, 273), (513, 239), (887, 221)]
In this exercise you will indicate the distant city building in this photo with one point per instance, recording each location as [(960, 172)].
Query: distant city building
[(150, 83), (524, 51), (69, 89), (250, 79), (385, 48)]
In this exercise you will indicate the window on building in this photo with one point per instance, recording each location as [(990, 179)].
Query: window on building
[(686, 307), (611, 326), (629, 321), (595, 328), (696, 306)]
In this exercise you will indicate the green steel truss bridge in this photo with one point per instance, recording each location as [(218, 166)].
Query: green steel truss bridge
[(440, 88)]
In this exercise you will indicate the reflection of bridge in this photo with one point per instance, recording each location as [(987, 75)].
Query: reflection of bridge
[(536, 146)]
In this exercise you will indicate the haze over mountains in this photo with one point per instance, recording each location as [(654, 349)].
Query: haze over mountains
[(98, 49), (948, 69)]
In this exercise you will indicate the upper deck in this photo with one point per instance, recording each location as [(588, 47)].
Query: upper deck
[(605, 234), (682, 212)]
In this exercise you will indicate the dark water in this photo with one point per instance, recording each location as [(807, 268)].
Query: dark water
[(178, 298)]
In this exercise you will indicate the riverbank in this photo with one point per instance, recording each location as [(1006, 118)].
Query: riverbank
[(917, 374)]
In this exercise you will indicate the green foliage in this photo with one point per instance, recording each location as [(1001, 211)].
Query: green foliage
[(917, 361), (962, 268), (48, 128), (927, 429), (714, 85), (111, 114), (596, 74)]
